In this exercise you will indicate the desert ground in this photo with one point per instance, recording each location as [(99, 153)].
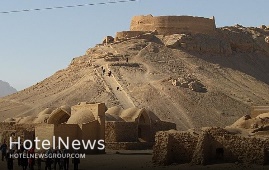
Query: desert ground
[(127, 159)]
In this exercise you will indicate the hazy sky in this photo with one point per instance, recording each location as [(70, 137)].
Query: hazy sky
[(34, 45)]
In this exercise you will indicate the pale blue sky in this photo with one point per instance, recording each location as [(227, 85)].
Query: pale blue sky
[(34, 45)]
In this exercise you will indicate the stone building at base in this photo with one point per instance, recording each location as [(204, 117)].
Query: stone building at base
[(132, 128), (245, 141), (212, 145), (85, 121), (11, 129)]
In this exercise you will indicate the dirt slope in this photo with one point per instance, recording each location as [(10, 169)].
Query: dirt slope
[(234, 80)]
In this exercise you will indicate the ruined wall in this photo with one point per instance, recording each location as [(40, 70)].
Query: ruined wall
[(47, 131), (238, 148), (66, 130), (131, 135), (15, 134), (44, 132), (91, 131), (162, 150), (166, 25), (174, 146), (123, 35), (24, 131), (6, 126), (189, 147), (98, 110), (121, 132), (159, 126), (163, 126)]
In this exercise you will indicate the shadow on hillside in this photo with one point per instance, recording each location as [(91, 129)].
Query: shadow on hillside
[(253, 64)]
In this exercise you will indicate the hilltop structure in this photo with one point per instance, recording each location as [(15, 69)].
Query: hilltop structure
[(168, 25)]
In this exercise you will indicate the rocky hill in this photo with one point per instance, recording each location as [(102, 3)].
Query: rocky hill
[(192, 80), (6, 89)]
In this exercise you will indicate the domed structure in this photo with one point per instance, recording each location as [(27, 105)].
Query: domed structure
[(84, 121), (59, 115), (113, 114), (26, 120), (128, 115), (43, 116), (46, 111), (81, 117), (133, 125)]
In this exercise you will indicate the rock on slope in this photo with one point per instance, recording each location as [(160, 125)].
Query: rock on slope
[(234, 73), (6, 89)]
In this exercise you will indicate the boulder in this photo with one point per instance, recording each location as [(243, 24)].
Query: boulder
[(267, 39), (183, 81), (263, 27), (196, 86), (173, 41)]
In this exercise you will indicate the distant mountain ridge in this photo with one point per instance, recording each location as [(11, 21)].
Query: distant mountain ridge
[(6, 89)]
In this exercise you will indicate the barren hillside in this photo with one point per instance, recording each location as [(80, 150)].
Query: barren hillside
[(231, 69)]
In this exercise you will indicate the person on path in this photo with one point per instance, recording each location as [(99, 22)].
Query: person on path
[(76, 161), (24, 160), (3, 149), (9, 159), (31, 160), (109, 73)]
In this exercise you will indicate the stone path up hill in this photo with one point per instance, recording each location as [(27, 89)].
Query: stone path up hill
[(217, 78)]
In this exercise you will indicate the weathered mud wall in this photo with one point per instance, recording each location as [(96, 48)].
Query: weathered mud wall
[(166, 25)]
